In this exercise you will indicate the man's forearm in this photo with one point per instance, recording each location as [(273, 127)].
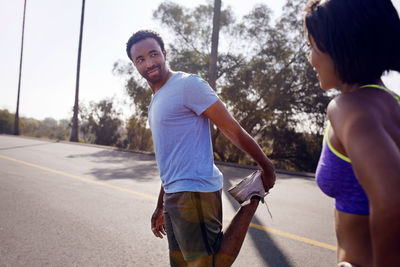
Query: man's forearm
[(220, 116), (246, 143)]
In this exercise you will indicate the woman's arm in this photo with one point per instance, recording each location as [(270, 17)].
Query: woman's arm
[(375, 159)]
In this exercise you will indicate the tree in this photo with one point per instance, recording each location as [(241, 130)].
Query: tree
[(101, 123), (275, 89), (48, 128), (138, 136), (263, 76), (50, 122), (86, 133), (6, 122), (192, 32)]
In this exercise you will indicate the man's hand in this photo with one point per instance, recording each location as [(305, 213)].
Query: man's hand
[(268, 177), (157, 223)]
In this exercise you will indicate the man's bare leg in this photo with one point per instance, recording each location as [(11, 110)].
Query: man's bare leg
[(234, 234)]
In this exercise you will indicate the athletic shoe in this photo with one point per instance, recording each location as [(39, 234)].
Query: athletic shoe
[(249, 187)]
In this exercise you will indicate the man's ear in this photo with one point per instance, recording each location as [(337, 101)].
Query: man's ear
[(165, 54)]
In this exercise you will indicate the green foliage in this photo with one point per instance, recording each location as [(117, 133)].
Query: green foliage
[(6, 122), (136, 88), (191, 29), (263, 77), (296, 151), (100, 123), (48, 128), (138, 136)]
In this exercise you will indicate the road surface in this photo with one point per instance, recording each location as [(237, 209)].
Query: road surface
[(67, 204)]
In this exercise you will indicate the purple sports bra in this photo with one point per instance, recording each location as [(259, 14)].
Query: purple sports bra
[(336, 178)]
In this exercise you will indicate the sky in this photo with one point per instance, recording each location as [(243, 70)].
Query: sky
[(48, 78)]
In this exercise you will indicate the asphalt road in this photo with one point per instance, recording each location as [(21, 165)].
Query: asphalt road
[(66, 204)]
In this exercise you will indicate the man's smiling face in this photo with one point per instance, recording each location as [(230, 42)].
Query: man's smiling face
[(149, 60)]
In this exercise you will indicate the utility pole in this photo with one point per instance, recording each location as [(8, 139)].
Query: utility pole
[(16, 120), (74, 132), (212, 68)]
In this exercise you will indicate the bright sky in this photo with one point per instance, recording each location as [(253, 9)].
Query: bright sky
[(51, 43)]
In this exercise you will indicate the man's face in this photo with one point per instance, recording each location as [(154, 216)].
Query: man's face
[(149, 60)]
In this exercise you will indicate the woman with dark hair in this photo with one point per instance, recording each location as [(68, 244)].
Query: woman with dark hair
[(352, 44)]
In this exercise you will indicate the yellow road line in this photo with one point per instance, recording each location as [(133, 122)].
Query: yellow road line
[(256, 226), (290, 236), (81, 178)]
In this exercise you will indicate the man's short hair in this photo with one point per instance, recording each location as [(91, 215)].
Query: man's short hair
[(141, 35), (361, 36)]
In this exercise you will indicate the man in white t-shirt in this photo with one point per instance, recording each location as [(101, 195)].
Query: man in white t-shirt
[(189, 208)]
